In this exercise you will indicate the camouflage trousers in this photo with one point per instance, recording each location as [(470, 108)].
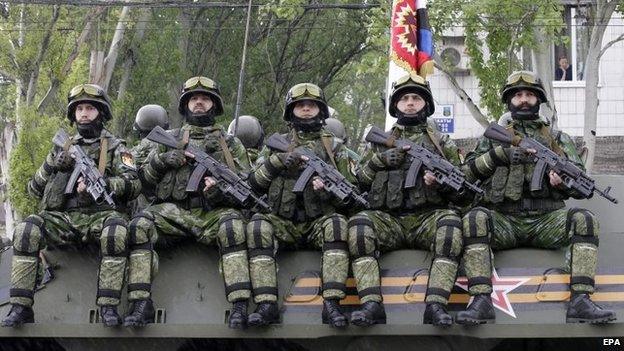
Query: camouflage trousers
[(485, 229), (108, 228), (374, 232), (267, 232), (167, 223)]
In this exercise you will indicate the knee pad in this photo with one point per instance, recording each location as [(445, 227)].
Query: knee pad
[(448, 242), (582, 223), (260, 237), (335, 233), (141, 231), (477, 225), (114, 238), (27, 236), (362, 238), (231, 233)]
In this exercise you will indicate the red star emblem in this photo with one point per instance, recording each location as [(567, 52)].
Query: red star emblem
[(500, 288)]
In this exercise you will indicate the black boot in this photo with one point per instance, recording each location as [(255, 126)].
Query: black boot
[(583, 310), (480, 311), (371, 312), (436, 314), (332, 314), (141, 312), (266, 313), (109, 316), (19, 315), (238, 315)]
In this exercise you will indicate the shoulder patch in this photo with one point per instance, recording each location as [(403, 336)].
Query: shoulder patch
[(127, 159)]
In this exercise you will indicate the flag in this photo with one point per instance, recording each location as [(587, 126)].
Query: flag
[(412, 41)]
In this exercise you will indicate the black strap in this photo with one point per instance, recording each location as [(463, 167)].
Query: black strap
[(15, 292), (114, 221), (48, 168), (582, 280), (24, 253), (584, 239), (229, 228), (439, 292), (145, 246), (450, 222), (268, 290), (479, 281), (497, 160), (140, 287), (336, 245), (261, 252), (476, 240), (373, 290), (234, 248), (35, 220), (236, 287), (114, 294), (273, 171), (360, 222), (334, 285), (447, 246), (336, 227)]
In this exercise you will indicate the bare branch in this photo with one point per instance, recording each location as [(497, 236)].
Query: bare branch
[(43, 48), (610, 44)]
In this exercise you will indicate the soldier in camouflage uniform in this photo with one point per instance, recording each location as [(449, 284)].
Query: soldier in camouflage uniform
[(305, 220), (147, 117), (337, 128), (418, 217), (206, 215), (76, 219), (250, 133), (515, 216)]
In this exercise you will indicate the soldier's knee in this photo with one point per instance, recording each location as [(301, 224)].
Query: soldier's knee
[(477, 225), (335, 228), (449, 241), (28, 234), (260, 236), (231, 231), (362, 239), (114, 237), (141, 230), (582, 222)]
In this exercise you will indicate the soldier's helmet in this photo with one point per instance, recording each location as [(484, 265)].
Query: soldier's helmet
[(523, 80), (305, 91), (337, 128), (249, 131), (204, 85), (411, 83), (150, 116), (91, 93)]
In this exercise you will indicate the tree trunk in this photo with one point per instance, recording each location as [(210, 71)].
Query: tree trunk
[(8, 137), (542, 65), (43, 48), (113, 52), (133, 52)]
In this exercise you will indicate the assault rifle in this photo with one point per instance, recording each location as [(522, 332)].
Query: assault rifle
[(84, 167), (227, 180), (444, 171), (335, 183), (573, 177)]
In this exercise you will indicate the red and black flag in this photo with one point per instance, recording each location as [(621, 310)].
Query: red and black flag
[(412, 41)]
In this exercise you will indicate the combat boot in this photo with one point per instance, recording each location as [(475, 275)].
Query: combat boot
[(583, 310), (332, 314), (265, 313), (19, 315), (371, 312), (109, 316), (238, 315), (436, 314), (141, 313), (480, 311)]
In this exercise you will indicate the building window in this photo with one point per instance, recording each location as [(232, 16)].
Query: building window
[(569, 60)]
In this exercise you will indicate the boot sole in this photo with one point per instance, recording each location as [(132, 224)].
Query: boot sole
[(470, 321), (445, 325), (591, 321), (137, 323), (14, 325), (261, 323), (365, 322), (342, 324)]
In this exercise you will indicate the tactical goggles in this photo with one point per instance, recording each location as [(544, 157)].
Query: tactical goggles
[(199, 81), (413, 77), (88, 89), (306, 89), (524, 76)]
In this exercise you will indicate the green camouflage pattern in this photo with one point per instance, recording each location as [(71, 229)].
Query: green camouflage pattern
[(141, 153), (70, 228), (546, 224)]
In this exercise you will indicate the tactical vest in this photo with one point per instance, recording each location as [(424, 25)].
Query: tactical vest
[(310, 204), (54, 198), (387, 190), (172, 187), (510, 186)]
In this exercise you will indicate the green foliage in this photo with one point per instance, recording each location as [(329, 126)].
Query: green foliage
[(35, 134)]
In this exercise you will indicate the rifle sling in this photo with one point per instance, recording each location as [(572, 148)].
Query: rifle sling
[(326, 140), (226, 153), (103, 154), (436, 143)]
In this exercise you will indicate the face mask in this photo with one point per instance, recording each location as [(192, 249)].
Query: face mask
[(90, 130), (519, 113), (307, 125), (201, 119), (412, 120)]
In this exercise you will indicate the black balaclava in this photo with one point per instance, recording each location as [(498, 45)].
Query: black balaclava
[(524, 114), (412, 120), (308, 125), (94, 128)]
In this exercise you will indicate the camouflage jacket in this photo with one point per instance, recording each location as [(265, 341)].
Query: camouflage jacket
[(278, 184), (120, 173), (508, 186), (169, 185), (385, 186)]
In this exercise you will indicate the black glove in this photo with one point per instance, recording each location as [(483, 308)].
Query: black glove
[(392, 158), (288, 160), (173, 159), (63, 162), (518, 155)]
